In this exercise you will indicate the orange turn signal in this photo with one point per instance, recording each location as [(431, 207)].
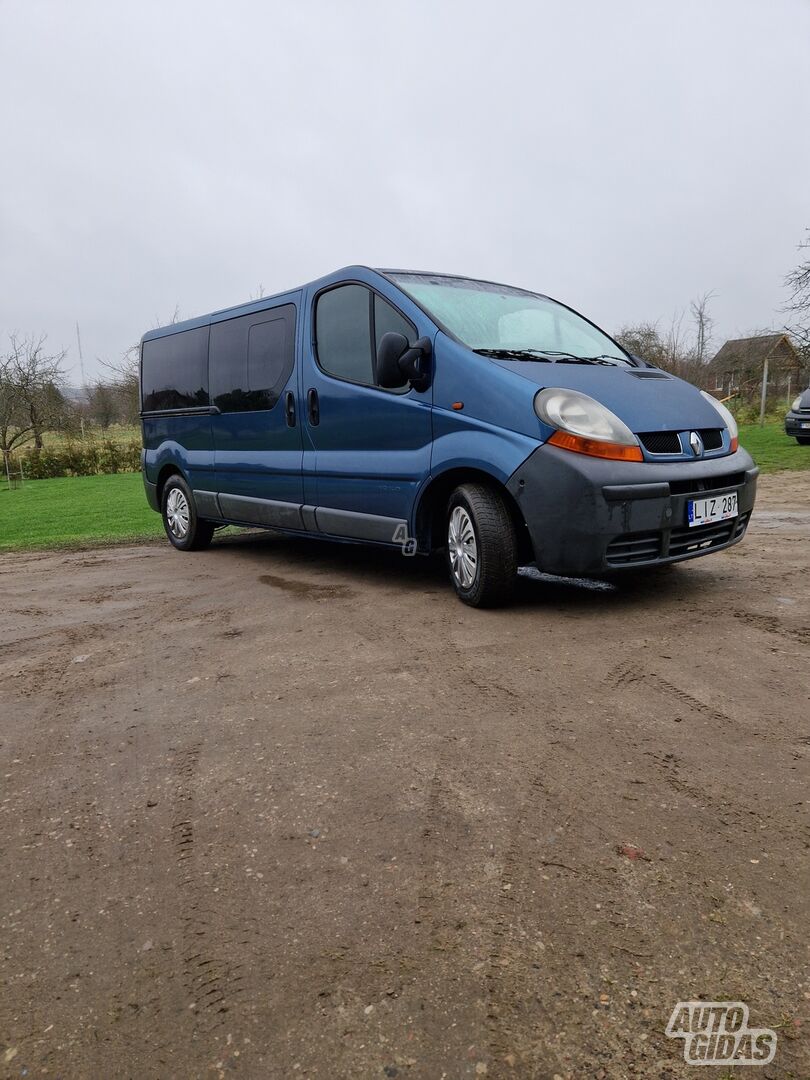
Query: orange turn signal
[(735, 442), (595, 447)]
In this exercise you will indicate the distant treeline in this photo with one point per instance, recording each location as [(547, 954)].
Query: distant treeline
[(36, 403), (85, 457)]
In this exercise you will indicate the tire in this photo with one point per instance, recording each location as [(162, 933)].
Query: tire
[(803, 440), (482, 556), (185, 530)]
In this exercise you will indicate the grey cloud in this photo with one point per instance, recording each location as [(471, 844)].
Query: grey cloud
[(622, 157)]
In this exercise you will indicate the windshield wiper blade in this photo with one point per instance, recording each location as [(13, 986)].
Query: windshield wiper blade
[(511, 354), (549, 356)]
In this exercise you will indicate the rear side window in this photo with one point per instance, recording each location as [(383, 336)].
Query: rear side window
[(349, 323), (251, 359), (174, 371)]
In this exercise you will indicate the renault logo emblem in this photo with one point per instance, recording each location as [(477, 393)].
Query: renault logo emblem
[(696, 443)]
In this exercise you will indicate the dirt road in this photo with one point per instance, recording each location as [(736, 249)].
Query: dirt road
[(289, 809)]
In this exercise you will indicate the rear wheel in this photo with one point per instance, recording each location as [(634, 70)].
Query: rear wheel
[(184, 529), (481, 546), (803, 440)]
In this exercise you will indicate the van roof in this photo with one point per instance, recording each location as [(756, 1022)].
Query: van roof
[(247, 307)]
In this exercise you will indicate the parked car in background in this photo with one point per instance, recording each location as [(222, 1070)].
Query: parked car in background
[(426, 411), (797, 421)]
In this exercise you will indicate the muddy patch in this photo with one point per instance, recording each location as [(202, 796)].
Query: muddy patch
[(308, 589)]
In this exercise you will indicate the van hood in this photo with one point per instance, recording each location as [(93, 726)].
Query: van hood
[(646, 399)]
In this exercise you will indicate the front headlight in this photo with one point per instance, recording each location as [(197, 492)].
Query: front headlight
[(796, 404), (585, 426), (726, 417)]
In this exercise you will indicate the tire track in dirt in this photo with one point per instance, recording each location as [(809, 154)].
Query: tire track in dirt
[(519, 1032), (670, 766), (515, 1021), (770, 624), (50, 674), (629, 674), (211, 978)]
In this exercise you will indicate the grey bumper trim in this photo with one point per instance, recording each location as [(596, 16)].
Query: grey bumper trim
[(206, 504), (282, 515), (358, 526)]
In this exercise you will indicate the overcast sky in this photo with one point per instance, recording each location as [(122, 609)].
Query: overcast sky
[(623, 156)]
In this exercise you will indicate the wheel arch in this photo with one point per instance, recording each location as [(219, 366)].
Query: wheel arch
[(169, 469), (429, 515)]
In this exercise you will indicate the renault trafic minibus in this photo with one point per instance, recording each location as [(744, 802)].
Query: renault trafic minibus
[(425, 411)]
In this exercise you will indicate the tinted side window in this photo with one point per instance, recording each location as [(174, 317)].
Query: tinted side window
[(174, 371), (343, 333), (251, 359)]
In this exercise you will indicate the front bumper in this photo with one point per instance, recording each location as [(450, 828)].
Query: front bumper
[(797, 424), (589, 516)]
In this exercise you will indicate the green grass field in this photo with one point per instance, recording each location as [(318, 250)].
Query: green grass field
[(75, 510), (97, 510), (772, 450)]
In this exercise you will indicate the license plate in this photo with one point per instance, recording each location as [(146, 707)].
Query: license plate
[(715, 508), (804, 426)]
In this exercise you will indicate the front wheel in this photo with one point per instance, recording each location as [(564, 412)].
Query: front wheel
[(481, 546), (803, 440), (184, 529)]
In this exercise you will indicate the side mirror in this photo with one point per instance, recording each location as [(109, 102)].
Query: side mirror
[(399, 363)]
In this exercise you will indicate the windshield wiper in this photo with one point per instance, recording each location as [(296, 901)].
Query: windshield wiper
[(549, 356), (521, 354)]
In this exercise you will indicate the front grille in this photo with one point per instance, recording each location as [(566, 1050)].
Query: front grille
[(708, 483), (669, 442), (685, 540), (633, 548), (652, 546), (741, 524), (712, 438), (661, 442)]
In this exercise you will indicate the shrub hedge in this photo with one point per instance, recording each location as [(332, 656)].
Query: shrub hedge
[(86, 458)]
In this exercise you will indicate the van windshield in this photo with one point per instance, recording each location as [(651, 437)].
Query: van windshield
[(508, 323)]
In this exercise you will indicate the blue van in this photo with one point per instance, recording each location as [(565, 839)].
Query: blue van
[(425, 412)]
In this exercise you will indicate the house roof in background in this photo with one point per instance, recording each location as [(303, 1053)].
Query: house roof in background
[(750, 351)]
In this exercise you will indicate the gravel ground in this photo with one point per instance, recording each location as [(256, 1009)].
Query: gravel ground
[(284, 809)]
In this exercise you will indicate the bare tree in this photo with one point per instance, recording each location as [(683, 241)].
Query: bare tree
[(103, 404), (798, 283), (669, 349), (644, 340), (31, 401), (704, 324), (678, 349), (125, 383)]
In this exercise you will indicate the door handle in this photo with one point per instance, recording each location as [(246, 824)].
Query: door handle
[(313, 407), (289, 408)]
